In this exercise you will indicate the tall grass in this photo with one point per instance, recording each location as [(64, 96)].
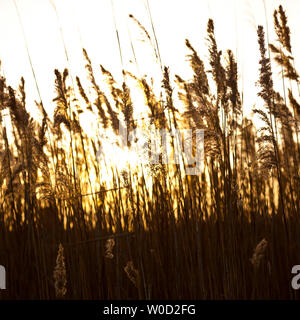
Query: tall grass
[(230, 233)]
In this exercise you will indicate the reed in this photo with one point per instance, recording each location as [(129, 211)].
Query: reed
[(152, 232)]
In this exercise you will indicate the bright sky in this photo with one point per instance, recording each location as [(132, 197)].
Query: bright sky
[(90, 23)]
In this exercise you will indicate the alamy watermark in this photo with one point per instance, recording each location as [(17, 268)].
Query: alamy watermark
[(154, 146), (2, 277), (296, 279)]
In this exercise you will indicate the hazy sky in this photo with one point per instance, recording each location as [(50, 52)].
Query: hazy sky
[(90, 23)]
